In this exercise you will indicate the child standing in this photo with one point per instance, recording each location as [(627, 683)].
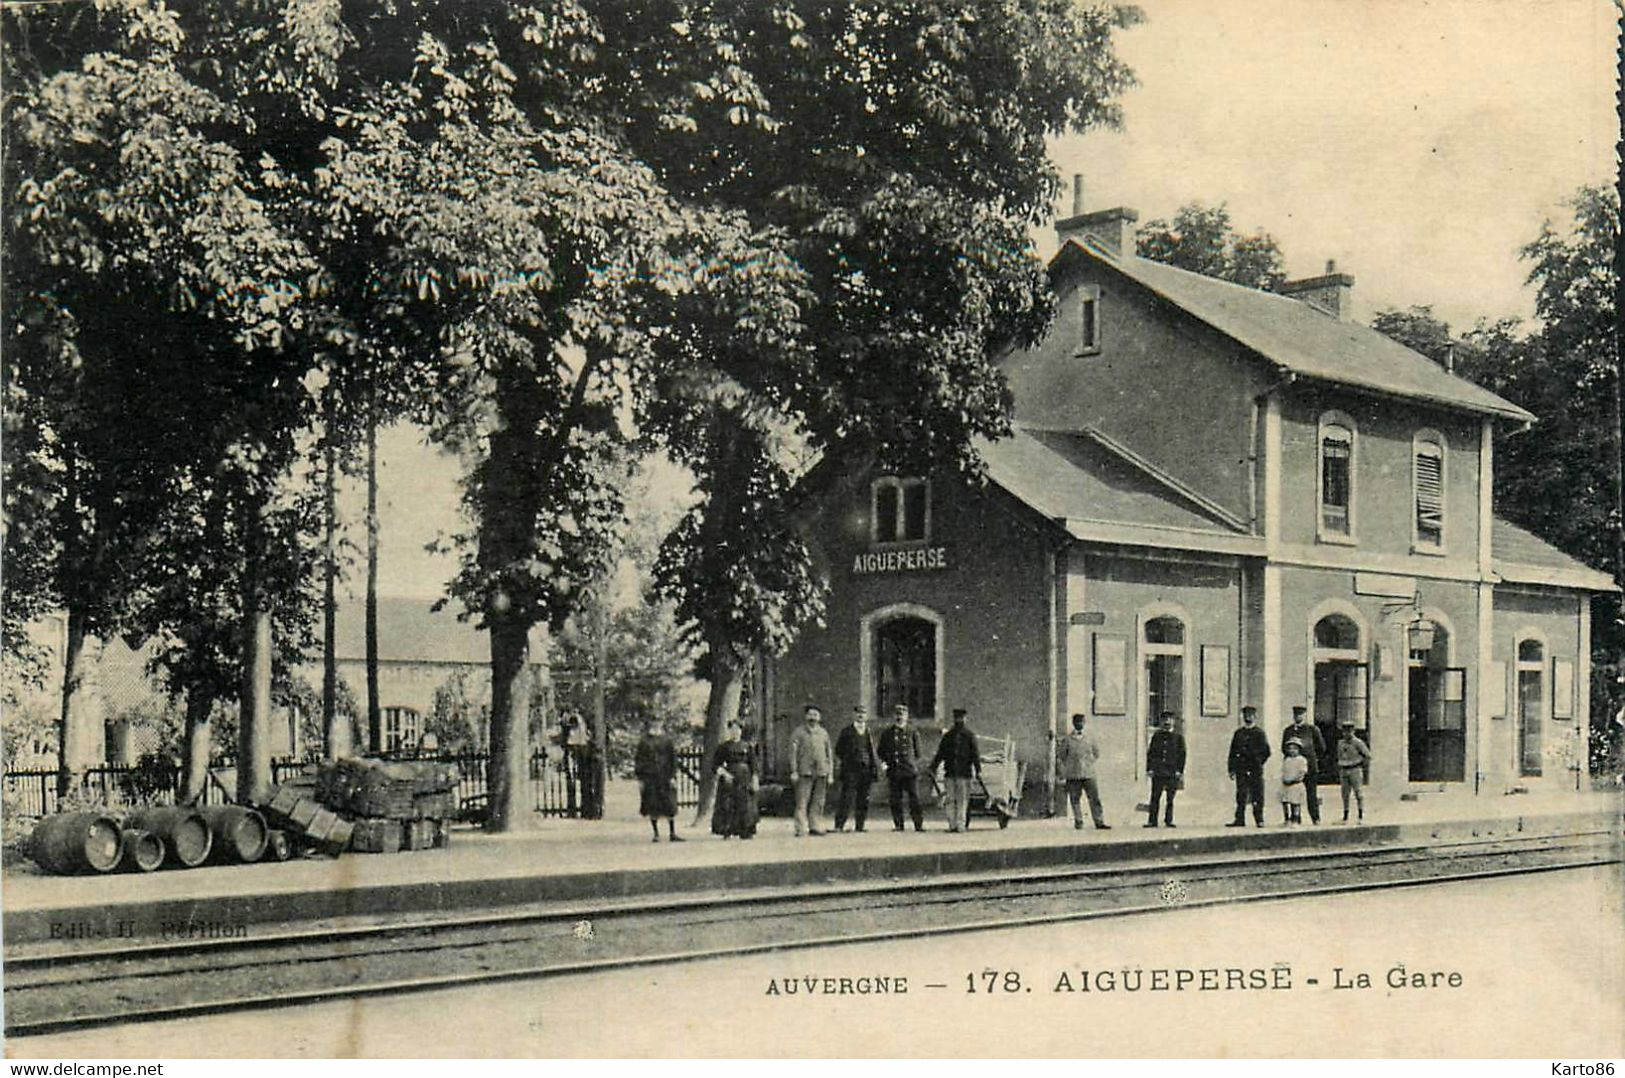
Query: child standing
[(1294, 773)]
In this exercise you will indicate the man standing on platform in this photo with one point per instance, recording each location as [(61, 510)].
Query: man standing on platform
[(959, 758), (856, 763), (1313, 748), (900, 757), (1165, 763), (1075, 756), (811, 764), (1249, 748)]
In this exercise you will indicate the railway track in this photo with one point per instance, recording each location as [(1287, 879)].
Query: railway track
[(56, 988)]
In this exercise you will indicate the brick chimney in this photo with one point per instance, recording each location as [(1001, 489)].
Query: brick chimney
[(1331, 292), (1113, 229)]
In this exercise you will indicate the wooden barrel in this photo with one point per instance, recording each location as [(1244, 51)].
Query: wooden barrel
[(76, 842), (240, 833), (143, 851), (278, 847), (184, 831)]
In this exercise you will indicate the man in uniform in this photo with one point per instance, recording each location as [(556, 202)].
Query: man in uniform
[(1165, 763), (959, 758), (811, 764), (1249, 748), (900, 757), (1313, 748), (856, 763)]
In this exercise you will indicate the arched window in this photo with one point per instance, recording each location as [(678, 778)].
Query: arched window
[(1337, 632), (1531, 703), (1335, 522), (1428, 486), (900, 510)]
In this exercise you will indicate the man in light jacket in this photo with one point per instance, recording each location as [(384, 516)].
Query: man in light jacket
[(812, 762), (1075, 756)]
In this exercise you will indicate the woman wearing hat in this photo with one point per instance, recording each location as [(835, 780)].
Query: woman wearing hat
[(1294, 773)]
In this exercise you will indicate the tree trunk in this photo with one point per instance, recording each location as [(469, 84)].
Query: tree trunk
[(195, 765), (721, 708), (508, 769), (374, 722), (254, 700), (335, 735), (82, 734)]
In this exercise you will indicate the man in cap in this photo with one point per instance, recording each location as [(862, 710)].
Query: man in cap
[(1353, 757), (1075, 756), (811, 764), (856, 763), (1165, 763), (960, 759), (1249, 748), (900, 757), (1313, 748)]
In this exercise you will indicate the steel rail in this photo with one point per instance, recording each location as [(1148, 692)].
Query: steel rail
[(1587, 844)]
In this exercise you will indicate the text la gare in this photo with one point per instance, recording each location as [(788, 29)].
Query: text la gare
[(1398, 977)]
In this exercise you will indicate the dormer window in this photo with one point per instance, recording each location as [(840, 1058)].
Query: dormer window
[(1089, 320), (1336, 486), (1427, 479), (901, 510)]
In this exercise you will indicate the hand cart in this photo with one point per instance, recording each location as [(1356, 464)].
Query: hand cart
[(997, 791)]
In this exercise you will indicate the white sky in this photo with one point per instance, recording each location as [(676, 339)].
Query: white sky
[(1419, 143)]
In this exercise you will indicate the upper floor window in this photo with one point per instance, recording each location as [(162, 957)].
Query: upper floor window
[(901, 510), (1089, 320), (1427, 470), (1336, 518)]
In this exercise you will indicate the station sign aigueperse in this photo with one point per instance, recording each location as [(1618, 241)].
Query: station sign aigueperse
[(919, 559)]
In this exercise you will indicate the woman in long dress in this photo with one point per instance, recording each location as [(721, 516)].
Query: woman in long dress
[(735, 764), (655, 765)]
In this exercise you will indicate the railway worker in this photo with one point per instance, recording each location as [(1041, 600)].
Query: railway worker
[(812, 762), (960, 759), (1249, 748), (1165, 763), (1353, 757), (655, 765), (1313, 748), (1075, 756), (856, 763), (899, 752)]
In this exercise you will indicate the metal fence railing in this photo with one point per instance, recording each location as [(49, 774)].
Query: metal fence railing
[(555, 781)]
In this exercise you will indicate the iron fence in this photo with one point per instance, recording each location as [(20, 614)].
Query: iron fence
[(556, 787)]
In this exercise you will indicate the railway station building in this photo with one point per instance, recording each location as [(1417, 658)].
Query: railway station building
[(1213, 496)]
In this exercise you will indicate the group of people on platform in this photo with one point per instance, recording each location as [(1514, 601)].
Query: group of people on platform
[(857, 758)]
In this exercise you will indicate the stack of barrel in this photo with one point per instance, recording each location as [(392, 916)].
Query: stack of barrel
[(395, 805), (179, 836)]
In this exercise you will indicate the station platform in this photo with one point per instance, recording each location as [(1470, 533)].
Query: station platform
[(581, 862)]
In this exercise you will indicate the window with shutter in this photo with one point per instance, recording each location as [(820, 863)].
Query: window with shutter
[(1429, 480), (901, 510)]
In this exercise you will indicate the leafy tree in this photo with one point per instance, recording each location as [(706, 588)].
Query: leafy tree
[(902, 152), (1200, 238)]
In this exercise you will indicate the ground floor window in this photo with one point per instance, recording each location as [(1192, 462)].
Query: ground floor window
[(400, 729), (1163, 655), (1340, 696), (1436, 706), (905, 670)]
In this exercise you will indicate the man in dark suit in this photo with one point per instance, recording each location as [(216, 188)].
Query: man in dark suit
[(1249, 748), (900, 756), (1165, 763), (960, 759), (857, 761), (1313, 748)]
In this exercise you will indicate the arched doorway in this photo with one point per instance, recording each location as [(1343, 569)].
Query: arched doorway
[(1340, 677), (1162, 660), (1436, 695), (1531, 705), (905, 666)]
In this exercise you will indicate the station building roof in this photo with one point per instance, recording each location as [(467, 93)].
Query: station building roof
[(1299, 338), (1522, 557)]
